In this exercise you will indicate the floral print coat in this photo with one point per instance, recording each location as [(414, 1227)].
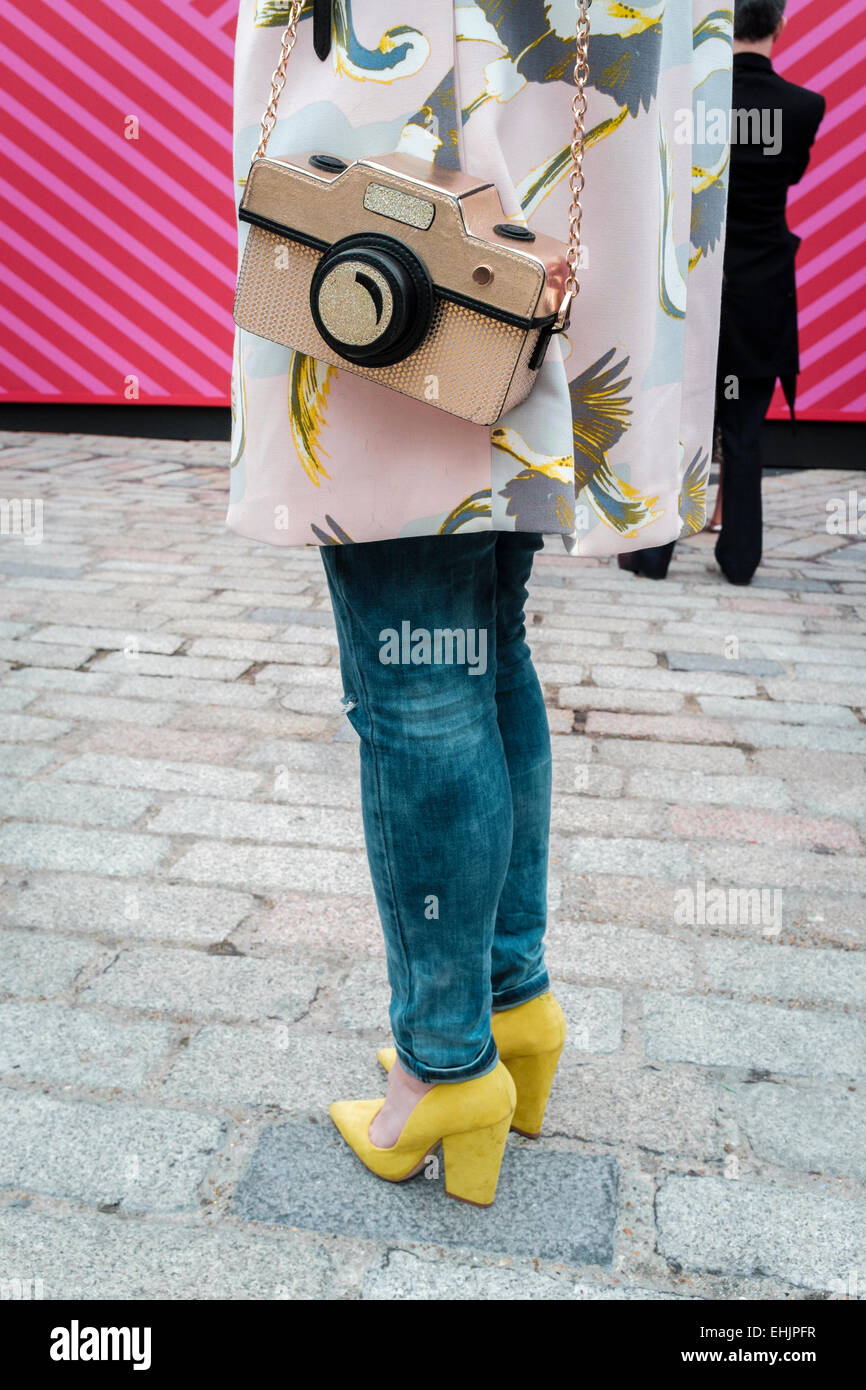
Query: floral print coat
[(611, 449)]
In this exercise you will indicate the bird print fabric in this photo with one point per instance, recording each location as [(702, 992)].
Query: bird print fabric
[(611, 450)]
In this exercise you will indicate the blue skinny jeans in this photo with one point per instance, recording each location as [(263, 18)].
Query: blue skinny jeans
[(455, 781)]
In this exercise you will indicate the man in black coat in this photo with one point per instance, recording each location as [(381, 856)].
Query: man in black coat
[(758, 342), (773, 126)]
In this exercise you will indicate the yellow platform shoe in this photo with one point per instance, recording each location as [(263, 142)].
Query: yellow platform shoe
[(470, 1119), (530, 1039)]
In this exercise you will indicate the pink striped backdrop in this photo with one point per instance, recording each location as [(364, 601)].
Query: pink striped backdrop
[(118, 255)]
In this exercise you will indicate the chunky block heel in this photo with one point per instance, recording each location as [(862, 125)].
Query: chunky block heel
[(533, 1078), (473, 1161), (469, 1118)]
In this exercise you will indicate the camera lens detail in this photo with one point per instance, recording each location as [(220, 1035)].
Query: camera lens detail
[(371, 299)]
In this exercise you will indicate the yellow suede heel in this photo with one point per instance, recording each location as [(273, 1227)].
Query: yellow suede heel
[(472, 1163), (471, 1119), (533, 1078), (530, 1039)]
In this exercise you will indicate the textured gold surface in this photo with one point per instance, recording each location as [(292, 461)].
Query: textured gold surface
[(347, 308), (469, 364), (527, 280), (401, 207)]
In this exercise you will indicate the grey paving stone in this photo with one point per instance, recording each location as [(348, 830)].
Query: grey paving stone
[(104, 708), (609, 1100), (592, 780), (34, 964), (810, 1239), (312, 616), (137, 1157), (811, 1129), (763, 1037), (697, 788), (30, 728), (593, 1016), (19, 761), (365, 996), (281, 823), (679, 757), (785, 972), (590, 950), (336, 763), (195, 985), (187, 667), (260, 866), (38, 678), (686, 682), (12, 699), (28, 653), (308, 645), (107, 638), (89, 851), (77, 1047), (702, 661), (272, 1065), (118, 771), (404, 1274), (83, 1256), (597, 815), (45, 801), (549, 1204), (777, 865), (134, 908), (765, 733), (726, 708), (591, 854)]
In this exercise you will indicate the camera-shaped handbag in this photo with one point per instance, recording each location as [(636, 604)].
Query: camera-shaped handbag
[(403, 272)]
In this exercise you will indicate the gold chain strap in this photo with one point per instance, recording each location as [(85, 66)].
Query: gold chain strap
[(578, 138), (278, 81), (575, 178)]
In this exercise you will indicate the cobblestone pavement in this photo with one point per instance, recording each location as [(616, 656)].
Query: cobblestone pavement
[(192, 965)]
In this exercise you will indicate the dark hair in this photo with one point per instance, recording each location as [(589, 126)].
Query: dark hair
[(757, 19)]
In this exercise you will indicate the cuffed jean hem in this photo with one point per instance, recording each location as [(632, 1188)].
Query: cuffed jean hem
[(510, 998), (486, 1062)]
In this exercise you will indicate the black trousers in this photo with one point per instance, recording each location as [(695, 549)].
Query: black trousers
[(738, 549)]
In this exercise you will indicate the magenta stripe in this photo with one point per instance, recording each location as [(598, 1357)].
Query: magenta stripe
[(224, 14), (73, 325), (840, 162), (843, 334), (203, 25), (26, 373), (133, 250), (48, 346), (806, 45), (830, 211), (103, 180), (831, 383), (129, 63), (844, 289), (134, 332), (167, 186), (837, 69), (823, 260)]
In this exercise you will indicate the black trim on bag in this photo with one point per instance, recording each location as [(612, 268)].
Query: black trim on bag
[(453, 296)]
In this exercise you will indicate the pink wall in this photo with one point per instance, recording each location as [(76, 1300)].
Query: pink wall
[(119, 253)]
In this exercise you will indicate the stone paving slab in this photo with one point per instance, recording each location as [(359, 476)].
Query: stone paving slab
[(563, 1204), (129, 1157), (79, 1256), (815, 1240), (191, 965)]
